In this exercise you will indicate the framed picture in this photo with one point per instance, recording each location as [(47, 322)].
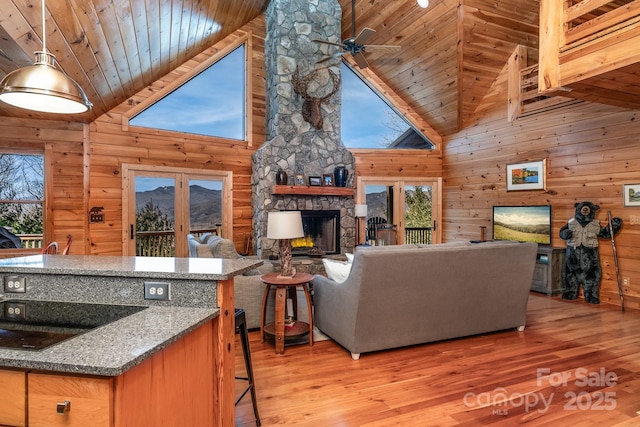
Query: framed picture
[(631, 194), (299, 180), (527, 176), (315, 180), (327, 180)]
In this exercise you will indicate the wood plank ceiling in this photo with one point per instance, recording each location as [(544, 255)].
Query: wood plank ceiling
[(451, 52)]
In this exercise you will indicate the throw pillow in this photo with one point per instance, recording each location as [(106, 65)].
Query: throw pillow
[(349, 257), (338, 271)]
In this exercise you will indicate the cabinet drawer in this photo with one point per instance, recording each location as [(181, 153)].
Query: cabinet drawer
[(13, 404), (90, 401)]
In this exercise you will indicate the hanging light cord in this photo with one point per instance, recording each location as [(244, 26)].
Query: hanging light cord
[(44, 31)]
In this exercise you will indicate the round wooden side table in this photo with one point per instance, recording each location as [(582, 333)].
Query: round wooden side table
[(278, 329)]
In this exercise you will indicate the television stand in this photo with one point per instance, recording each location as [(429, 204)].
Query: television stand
[(547, 275)]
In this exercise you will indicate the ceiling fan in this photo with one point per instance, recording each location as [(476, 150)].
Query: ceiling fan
[(355, 45)]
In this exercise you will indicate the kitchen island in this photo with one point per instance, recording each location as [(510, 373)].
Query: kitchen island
[(171, 363)]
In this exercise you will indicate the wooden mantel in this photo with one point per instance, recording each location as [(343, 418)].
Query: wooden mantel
[(307, 190)]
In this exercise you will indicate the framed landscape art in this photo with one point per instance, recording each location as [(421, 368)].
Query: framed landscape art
[(527, 176), (631, 194)]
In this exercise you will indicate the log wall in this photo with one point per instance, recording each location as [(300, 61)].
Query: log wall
[(591, 151), (63, 144), (113, 143)]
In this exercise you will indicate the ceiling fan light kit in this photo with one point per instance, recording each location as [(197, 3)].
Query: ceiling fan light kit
[(42, 87)]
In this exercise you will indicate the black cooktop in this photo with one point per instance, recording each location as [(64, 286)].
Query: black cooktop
[(34, 325)]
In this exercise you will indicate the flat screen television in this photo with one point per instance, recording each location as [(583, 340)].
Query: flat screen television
[(522, 223)]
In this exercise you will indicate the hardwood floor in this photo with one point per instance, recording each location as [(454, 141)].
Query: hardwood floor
[(503, 378)]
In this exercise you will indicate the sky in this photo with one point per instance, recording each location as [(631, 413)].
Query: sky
[(364, 115), (531, 215), (151, 183), (210, 104)]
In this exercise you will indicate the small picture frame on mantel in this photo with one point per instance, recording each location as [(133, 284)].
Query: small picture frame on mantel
[(315, 181), (327, 180), (299, 179)]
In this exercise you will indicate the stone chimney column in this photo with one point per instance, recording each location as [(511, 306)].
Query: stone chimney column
[(293, 144)]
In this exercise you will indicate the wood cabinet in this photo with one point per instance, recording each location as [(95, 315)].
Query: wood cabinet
[(13, 402), (547, 275), (174, 387), (63, 400)]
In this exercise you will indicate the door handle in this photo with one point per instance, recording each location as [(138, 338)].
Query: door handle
[(131, 232)]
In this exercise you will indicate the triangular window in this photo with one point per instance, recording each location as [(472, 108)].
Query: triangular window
[(368, 120), (211, 103)]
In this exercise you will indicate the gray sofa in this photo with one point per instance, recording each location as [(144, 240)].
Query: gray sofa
[(248, 288), (403, 295)]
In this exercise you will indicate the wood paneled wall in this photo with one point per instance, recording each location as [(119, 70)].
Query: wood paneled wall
[(113, 144), (63, 145), (591, 151)]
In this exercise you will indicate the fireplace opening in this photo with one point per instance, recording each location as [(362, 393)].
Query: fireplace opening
[(321, 234)]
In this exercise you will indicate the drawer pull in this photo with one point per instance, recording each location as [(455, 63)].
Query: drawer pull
[(64, 407)]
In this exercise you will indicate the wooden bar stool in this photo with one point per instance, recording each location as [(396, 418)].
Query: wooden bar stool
[(241, 327)]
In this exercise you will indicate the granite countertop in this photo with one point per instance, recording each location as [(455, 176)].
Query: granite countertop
[(112, 349), (130, 266)]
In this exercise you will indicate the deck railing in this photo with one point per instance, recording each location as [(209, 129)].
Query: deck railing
[(31, 241), (155, 243), (417, 235), (162, 243)]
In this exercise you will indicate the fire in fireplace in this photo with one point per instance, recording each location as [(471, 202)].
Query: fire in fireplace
[(321, 234)]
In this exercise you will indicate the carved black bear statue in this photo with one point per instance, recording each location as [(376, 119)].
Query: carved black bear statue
[(582, 261)]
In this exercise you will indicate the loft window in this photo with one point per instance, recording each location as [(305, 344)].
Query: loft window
[(368, 120), (212, 103), (21, 200)]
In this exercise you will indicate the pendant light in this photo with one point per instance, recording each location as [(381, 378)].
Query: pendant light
[(42, 87)]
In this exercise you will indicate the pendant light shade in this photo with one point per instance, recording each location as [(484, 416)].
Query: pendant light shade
[(42, 87)]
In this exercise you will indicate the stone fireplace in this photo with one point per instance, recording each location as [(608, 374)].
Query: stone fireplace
[(294, 144)]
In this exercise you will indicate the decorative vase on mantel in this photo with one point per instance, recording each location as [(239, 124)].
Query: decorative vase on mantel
[(340, 176), (281, 177)]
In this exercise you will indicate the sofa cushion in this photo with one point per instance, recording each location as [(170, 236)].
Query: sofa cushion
[(338, 271)]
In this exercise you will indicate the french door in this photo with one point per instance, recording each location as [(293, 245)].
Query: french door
[(401, 210), (162, 206)]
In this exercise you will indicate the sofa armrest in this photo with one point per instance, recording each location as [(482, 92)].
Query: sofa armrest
[(335, 307)]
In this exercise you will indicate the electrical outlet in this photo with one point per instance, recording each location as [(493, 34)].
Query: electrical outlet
[(634, 219), (157, 291), (625, 281), (15, 310), (15, 284)]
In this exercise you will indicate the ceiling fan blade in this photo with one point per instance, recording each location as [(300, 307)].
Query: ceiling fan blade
[(328, 58), (372, 47), (329, 43), (364, 35), (360, 60)]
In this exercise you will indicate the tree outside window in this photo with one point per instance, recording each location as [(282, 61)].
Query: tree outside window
[(22, 196)]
